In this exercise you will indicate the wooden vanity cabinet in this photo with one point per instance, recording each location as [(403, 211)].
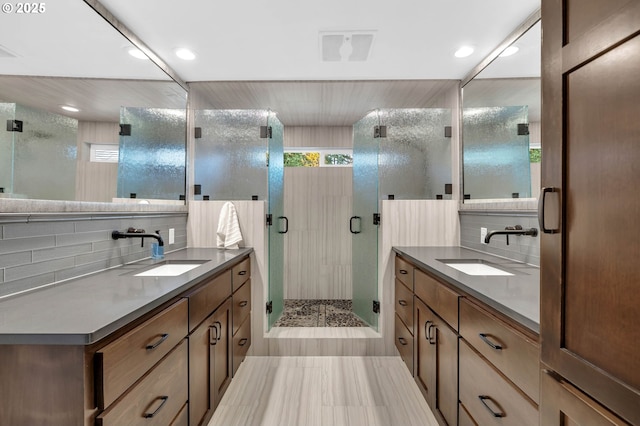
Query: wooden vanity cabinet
[(436, 346), (499, 368), (403, 335), (241, 328), (141, 376), (565, 405), (209, 346), (436, 369)]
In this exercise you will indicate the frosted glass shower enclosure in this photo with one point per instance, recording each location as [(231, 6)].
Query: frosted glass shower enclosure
[(398, 154), (239, 156)]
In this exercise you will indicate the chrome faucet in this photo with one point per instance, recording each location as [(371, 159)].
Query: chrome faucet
[(137, 233), (512, 230)]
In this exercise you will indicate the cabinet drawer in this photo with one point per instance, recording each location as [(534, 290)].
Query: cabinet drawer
[(241, 305), (404, 343), (182, 419), (207, 298), (241, 343), (125, 360), (489, 398), (157, 398), (241, 273), (440, 298), (404, 305), (464, 418), (516, 356), (404, 272)]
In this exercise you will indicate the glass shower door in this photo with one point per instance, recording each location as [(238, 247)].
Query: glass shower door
[(279, 222), (364, 231)]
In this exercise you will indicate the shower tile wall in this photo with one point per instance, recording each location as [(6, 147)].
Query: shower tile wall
[(318, 205), (39, 253)]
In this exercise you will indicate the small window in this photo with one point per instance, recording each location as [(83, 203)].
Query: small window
[(104, 153), (318, 157)]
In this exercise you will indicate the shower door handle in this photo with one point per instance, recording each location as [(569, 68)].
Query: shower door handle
[(286, 225), (351, 224)]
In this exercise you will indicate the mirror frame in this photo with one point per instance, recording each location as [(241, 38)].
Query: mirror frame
[(528, 204), (21, 207)]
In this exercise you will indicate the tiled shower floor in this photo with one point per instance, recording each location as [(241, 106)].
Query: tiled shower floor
[(318, 313)]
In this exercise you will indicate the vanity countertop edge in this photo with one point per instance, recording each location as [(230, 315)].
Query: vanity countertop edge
[(83, 310), (517, 296)]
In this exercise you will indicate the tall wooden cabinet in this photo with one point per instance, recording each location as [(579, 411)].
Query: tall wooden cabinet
[(590, 279)]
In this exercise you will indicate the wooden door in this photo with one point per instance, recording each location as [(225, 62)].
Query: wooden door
[(221, 359), (446, 372), (436, 363), (200, 407), (567, 406), (425, 352), (590, 279)]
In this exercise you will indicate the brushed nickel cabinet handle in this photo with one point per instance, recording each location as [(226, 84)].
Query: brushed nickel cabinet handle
[(156, 344)]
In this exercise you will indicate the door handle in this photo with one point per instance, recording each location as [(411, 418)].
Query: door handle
[(286, 225), (541, 209), (431, 339), (351, 224), (213, 339)]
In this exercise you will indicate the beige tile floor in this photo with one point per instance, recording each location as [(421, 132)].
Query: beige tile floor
[(323, 391)]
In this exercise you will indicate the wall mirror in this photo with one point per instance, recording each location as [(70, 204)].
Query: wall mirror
[(501, 123), (67, 83)]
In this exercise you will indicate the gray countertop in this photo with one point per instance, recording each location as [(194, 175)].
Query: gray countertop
[(517, 296), (84, 310)]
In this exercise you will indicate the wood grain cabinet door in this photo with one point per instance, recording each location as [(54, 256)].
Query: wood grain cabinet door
[(437, 363), (209, 370), (590, 279)]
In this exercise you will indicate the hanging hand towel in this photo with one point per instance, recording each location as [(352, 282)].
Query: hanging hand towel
[(229, 235)]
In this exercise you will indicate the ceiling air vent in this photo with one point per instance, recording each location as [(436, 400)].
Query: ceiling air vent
[(346, 46)]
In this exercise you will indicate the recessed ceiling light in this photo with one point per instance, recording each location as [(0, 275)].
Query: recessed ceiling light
[(137, 53), (464, 51), (185, 54), (509, 51), (69, 108)]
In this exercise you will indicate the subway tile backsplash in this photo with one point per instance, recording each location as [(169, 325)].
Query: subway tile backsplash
[(521, 248), (57, 248)]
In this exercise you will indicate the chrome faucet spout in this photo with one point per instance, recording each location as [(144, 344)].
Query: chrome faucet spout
[(137, 233), (512, 230)]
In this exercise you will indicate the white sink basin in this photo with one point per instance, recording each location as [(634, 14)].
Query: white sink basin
[(475, 267), (168, 270)]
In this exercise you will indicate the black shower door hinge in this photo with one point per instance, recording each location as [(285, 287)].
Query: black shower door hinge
[(269, 219), (266, 132), (380, 131), (376, 307), (376, 218), (270, 307)]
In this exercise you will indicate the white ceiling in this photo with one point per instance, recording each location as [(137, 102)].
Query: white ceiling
[(279, 39)]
